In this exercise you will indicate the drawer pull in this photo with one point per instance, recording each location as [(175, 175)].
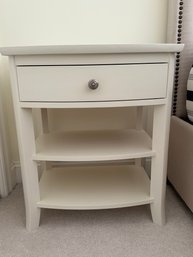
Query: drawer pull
[(93, 84)]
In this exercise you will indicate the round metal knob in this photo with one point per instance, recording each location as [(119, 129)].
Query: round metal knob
[(93, 84)]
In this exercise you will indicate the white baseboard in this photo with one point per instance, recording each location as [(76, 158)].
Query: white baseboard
[(16, 168)]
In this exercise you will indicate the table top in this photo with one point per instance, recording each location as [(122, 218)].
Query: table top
[(91, 49)]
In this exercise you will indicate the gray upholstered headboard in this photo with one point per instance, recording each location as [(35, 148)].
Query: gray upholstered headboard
[(180, 30)]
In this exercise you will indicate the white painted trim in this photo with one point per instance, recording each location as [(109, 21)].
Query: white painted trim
[(7, 178), (3, 178), (3, 175), (16, 169)]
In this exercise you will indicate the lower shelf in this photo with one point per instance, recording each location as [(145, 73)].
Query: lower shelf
[(98, 187)]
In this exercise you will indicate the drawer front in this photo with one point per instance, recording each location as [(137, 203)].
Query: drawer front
[(70, 83)]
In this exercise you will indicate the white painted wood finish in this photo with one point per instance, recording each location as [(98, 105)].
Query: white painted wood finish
[(87, 59), (85, 146), (91, 49), (94, 187), (160, 140), (140, 75), (104, 104), (25, 134), (70, 83)]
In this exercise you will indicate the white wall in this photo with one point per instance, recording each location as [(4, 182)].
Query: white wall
[(40, 22), (29, 22)]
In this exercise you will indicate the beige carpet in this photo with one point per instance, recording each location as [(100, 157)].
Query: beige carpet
[(127, 232)]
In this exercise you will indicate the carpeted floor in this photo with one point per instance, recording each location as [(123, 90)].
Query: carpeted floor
[(127, 232)]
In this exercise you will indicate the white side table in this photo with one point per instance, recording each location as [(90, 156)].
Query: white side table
[(101, 76)]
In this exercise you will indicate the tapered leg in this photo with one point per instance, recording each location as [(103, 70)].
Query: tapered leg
[(26, 142), (158, 169), (29, 167)]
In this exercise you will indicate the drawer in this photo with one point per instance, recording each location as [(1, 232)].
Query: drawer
[(70, 83)]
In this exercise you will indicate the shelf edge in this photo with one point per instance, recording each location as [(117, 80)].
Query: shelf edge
[(41, 204)]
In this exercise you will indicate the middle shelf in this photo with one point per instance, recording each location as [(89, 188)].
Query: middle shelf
[(105, 145)]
